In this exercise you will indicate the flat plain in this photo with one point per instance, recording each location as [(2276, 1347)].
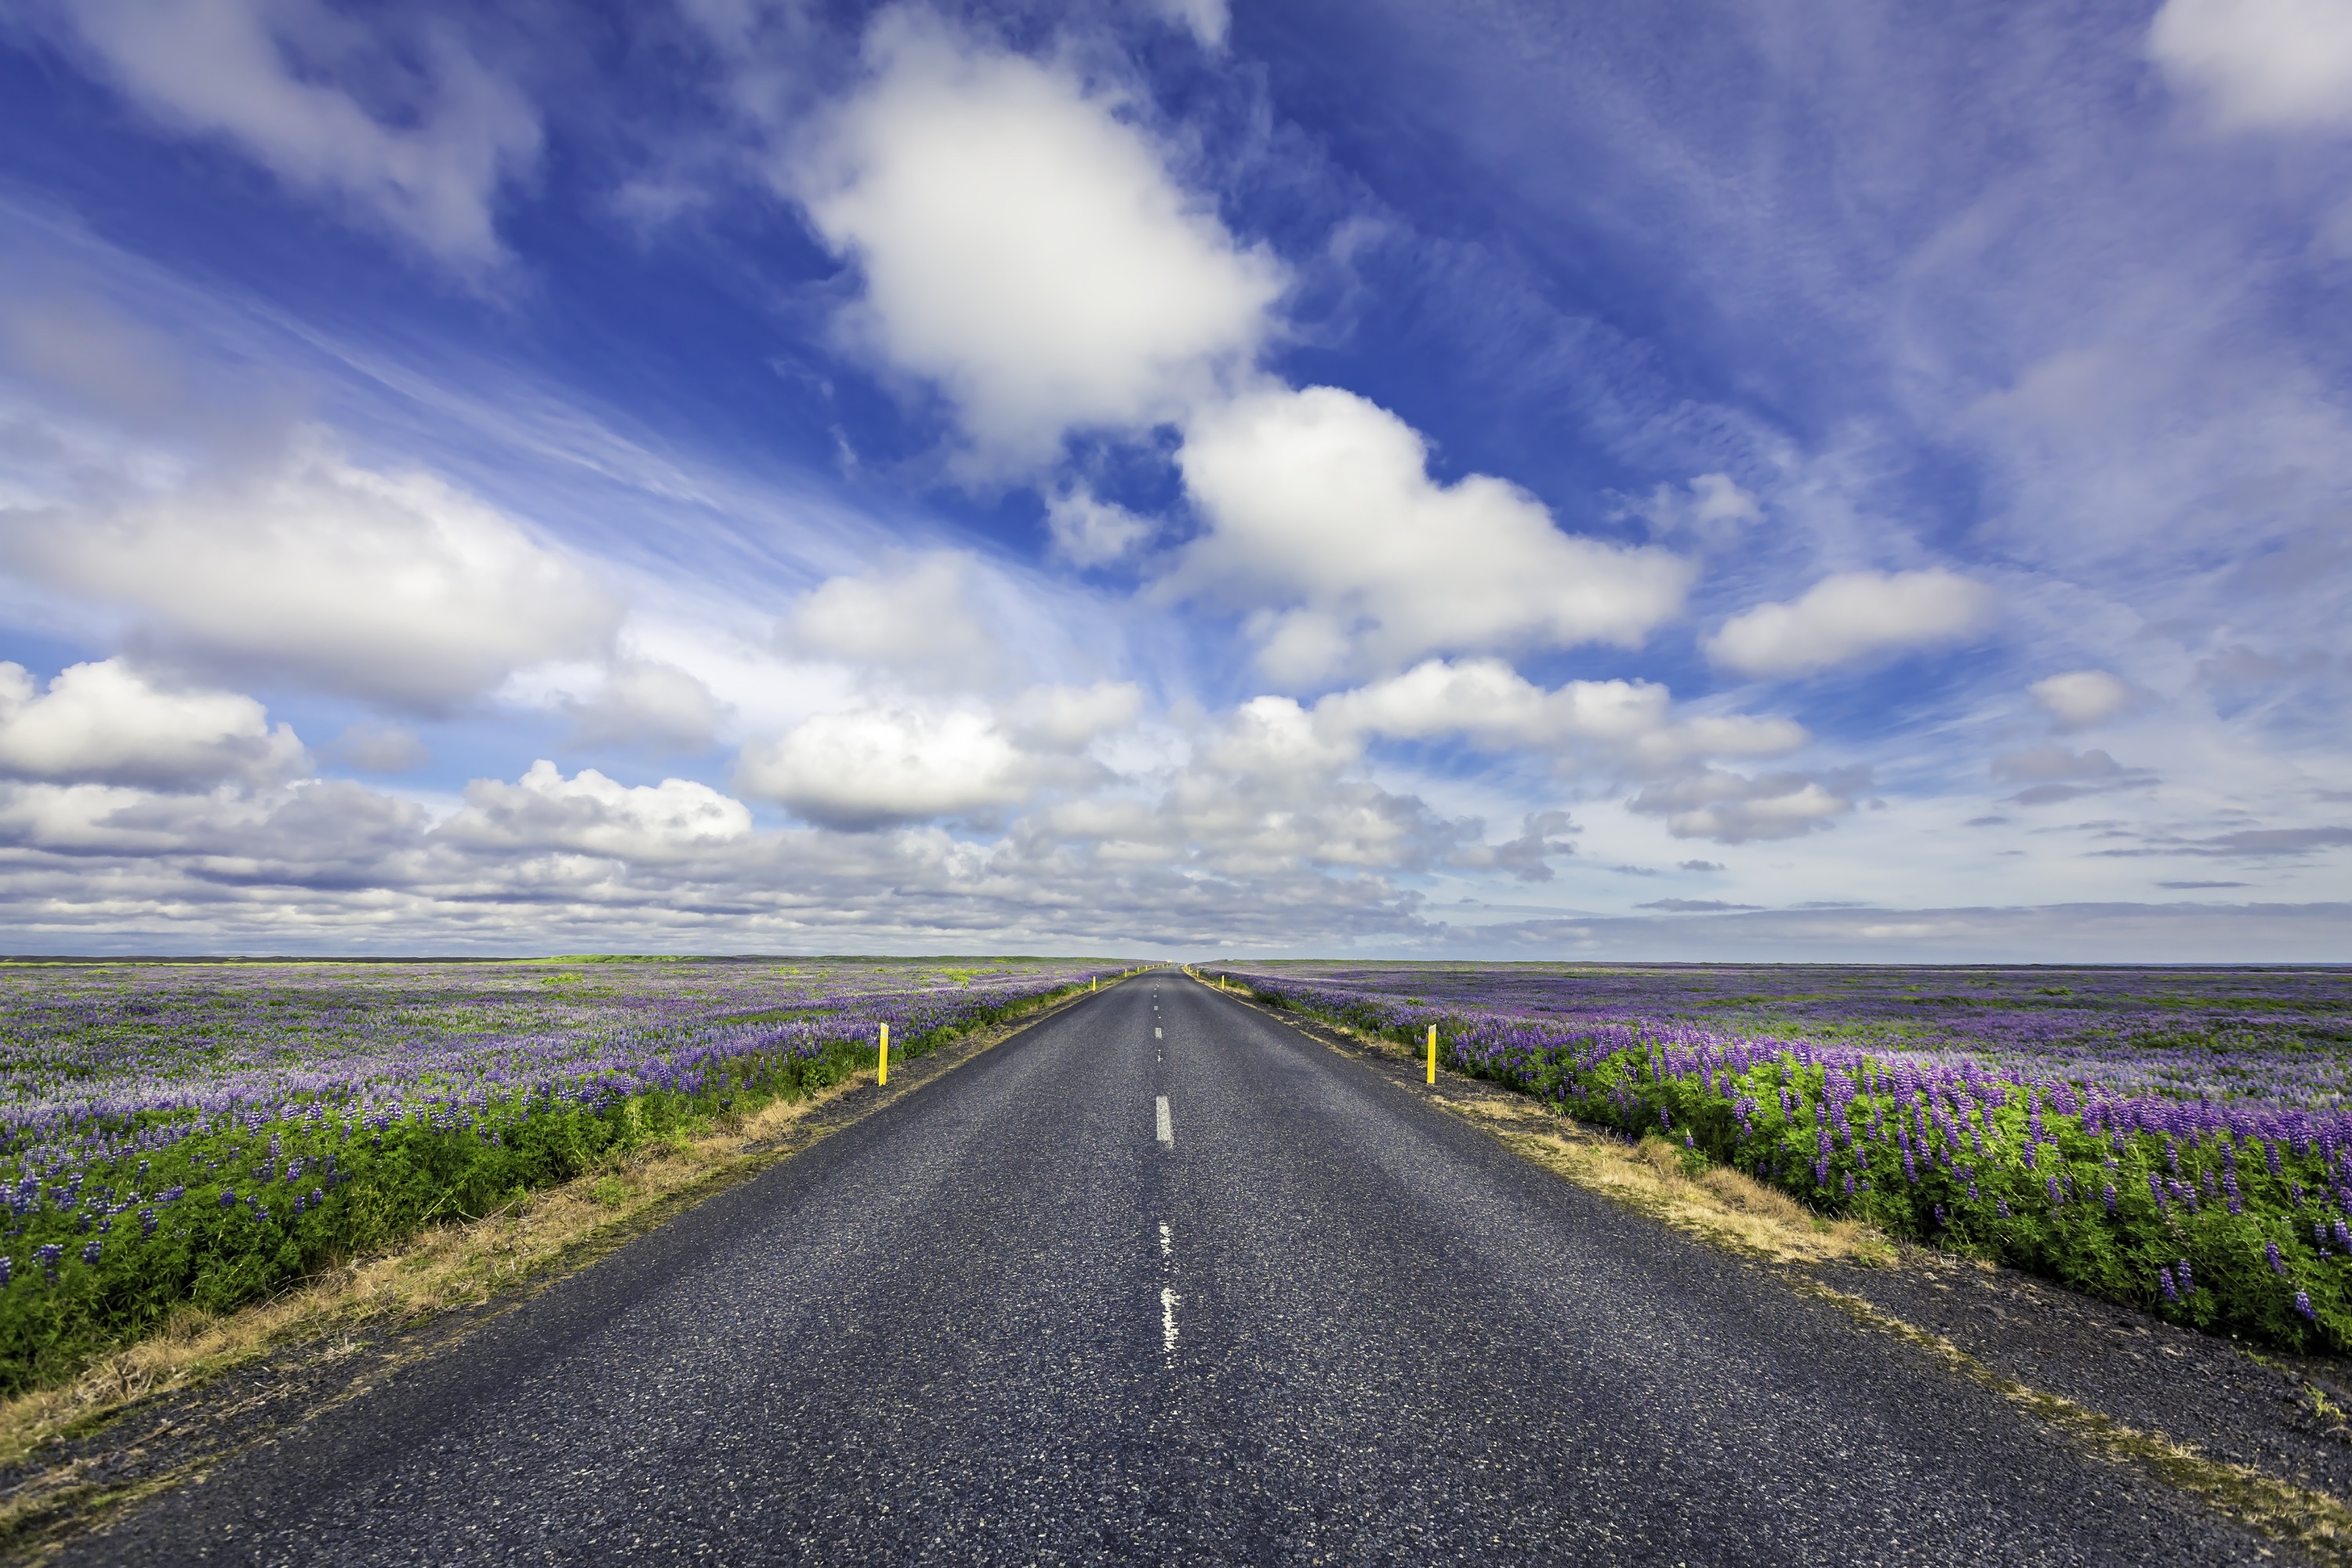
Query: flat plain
[(1183, 1274)]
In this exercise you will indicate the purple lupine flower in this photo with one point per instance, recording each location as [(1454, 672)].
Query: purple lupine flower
[(1849, 1183), (147, 1222), (89, 1253), (2343, 1236), (2000, 1206), (2164, 1278), (2187, 1284), (1940, 1221), (2056, 1199), (2303, 1305), (2278, 1264), (2109, 1194), (228, 1199)]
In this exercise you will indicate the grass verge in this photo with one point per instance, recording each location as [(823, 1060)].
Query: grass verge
[(1725, 1207), (2225, 1215), (1682, 1189), (463, 1272)]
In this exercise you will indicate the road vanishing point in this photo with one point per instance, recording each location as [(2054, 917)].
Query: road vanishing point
[(1163, 1281)]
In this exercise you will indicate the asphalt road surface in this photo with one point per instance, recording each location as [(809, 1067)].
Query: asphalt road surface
[(1162, 1281)]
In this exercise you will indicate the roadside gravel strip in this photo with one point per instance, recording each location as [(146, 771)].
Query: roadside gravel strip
[(1022, 1315)]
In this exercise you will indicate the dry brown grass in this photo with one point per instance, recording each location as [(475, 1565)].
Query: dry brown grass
[(1713, 1202)]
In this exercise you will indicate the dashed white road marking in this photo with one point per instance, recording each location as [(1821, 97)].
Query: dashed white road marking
[(1167, 1242), (1167, 1129), (1155, 1033), (1168, 1300)]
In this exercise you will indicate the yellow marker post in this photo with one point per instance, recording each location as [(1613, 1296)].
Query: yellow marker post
[(882, 1074), (1433, 1053)]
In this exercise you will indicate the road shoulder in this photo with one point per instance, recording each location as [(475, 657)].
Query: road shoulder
[(171, 1410), (2264, 1439)]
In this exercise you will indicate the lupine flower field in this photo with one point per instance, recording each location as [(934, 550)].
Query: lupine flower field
[(2178, 1140), (205, 1133)]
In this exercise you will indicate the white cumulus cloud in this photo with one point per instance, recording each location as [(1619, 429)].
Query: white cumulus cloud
[(423, 155), (1024, 246), (878, 766), (396, 587), (1488, 702), (2082, 697), (2264, 64), (884, 764), (1090, 531), (107, 724), (1713, 509), (1734, 808), (648, 703), (914, 615), (1849, 617), (1065, 717), (590, 814), (1322, 517)]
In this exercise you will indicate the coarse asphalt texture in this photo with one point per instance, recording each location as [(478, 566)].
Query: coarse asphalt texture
[(1003, 1319)]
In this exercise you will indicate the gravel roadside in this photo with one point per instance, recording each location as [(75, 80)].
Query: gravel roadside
[(2289, 1418), (123, 1454)]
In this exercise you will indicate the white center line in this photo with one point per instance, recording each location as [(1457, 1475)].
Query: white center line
[(1167, 1242), (1168, 1300), (1155, 1033), (1167, 1130)]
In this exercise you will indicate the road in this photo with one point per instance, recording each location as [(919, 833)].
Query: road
[(1023, 1316)]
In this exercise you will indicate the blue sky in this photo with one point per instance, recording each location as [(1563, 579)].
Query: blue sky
[(1682, 480)]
